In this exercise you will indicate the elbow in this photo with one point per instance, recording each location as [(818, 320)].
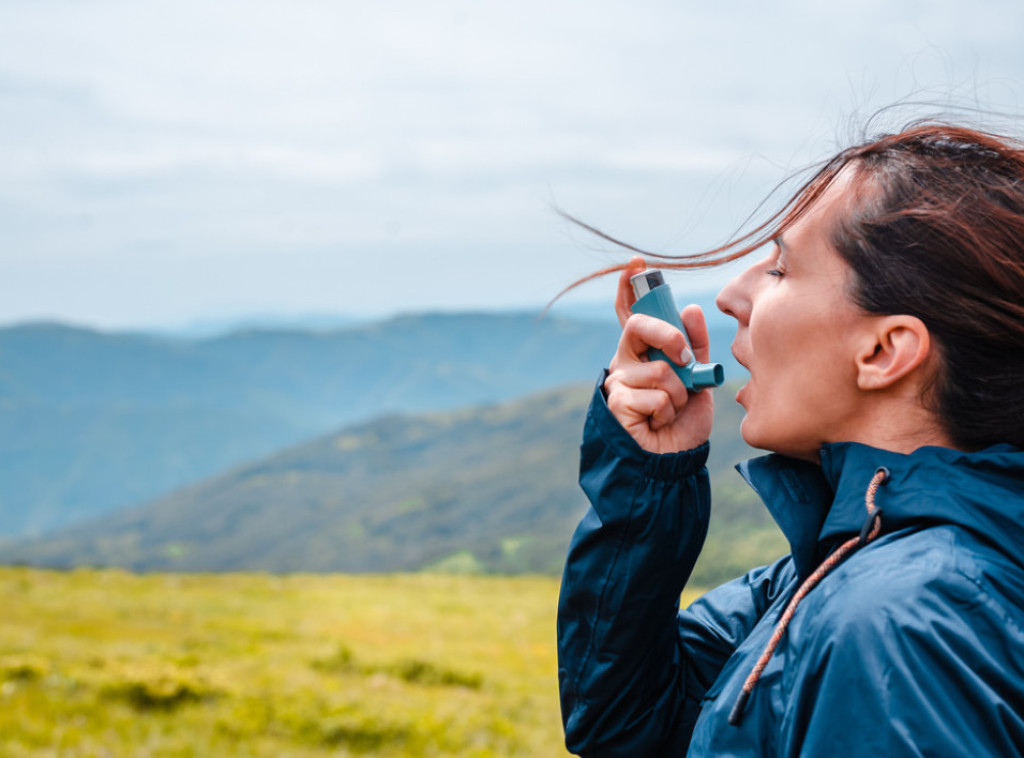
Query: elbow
[(609, 729), (581, 728), (584, 738)]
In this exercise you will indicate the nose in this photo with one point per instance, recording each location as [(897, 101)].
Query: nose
[(734, 298)]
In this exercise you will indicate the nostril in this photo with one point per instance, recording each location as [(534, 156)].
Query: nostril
[(729, 300), (723, 304)]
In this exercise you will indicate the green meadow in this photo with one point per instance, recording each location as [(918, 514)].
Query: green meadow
[(109, 663)]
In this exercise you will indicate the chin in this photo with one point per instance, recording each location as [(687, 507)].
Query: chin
[(757, 438), (750, 435)]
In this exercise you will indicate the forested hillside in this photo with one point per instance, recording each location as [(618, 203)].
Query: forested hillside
[(485, 489), (93, 421)]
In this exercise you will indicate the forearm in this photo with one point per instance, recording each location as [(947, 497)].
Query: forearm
[(621, 669)]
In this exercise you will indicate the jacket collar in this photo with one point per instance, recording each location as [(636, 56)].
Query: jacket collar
[(817, 506)]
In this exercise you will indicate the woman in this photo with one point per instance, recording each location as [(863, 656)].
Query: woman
[(884, 335)]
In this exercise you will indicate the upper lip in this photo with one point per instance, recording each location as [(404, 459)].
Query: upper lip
[(738, 359)]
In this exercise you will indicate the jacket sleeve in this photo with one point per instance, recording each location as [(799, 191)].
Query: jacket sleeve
[(632, 668)]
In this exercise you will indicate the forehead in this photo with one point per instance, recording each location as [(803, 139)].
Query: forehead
[(814, 226)]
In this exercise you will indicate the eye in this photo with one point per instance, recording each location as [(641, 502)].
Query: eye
[(775, 272)]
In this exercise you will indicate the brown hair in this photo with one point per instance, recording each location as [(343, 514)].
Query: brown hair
[(937, 233)]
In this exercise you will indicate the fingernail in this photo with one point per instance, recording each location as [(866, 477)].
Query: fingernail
[(685, 357)]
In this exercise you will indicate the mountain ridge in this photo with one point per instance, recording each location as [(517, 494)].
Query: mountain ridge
[(99, 421), (485, 489)]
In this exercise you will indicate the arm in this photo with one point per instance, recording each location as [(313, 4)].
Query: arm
[(633, 669), (619, 660), (623, 673)]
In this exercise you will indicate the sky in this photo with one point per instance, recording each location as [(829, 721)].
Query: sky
[(163, 163)]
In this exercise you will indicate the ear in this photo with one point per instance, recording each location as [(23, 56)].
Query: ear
[(895, 348)]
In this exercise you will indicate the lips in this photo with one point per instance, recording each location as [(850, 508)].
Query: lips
[(739, 360), (743, 363)]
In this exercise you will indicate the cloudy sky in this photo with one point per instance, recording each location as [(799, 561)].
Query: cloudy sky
[(162, 162)]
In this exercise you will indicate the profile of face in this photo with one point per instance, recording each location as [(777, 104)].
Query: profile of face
[(799, 334)]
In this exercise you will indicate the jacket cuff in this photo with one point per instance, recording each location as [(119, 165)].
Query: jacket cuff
[(663, 466)]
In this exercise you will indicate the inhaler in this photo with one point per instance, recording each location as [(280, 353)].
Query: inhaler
[(654, 298)]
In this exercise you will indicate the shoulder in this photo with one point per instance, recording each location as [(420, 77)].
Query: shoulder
[(897, 569), (909, 647), (918, 598), (938, 569)]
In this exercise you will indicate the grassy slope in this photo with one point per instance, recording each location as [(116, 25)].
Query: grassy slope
[(112, 663)]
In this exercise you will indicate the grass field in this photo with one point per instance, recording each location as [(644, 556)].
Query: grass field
[(107, 663)]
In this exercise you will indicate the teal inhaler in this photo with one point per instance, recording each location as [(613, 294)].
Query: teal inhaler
[(654, 298)]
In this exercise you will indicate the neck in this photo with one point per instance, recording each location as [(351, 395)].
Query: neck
[(901, 425)]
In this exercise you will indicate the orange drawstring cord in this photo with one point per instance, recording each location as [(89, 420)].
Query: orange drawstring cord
[(871, 529)]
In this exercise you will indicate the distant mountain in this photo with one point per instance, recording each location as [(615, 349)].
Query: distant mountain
[(485, 489), (206, 328), (604, 312), (95, 421)]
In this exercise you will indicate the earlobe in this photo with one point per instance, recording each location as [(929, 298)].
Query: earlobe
[(898, 347)]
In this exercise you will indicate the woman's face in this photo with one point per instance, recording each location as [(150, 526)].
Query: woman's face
[(797, 334)]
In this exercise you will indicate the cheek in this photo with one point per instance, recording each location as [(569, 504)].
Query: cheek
[(774, 349), (799, 407), (798, 343), (795, 394)]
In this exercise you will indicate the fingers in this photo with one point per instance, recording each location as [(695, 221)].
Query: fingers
[(653, 408), (692, 316), (646, 394), (697, 330), (642, 332), (655, 381), (641, 389), (624, 297)]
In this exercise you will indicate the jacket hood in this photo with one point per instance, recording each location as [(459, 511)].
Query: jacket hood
[(818, 506)]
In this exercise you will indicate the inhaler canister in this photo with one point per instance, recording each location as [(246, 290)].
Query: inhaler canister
[(654, 298)]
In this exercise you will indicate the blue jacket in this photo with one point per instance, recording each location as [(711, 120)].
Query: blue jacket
[(913, 645)]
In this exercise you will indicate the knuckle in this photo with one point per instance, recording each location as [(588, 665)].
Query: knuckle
[(664, 411), (634, 325), (616, 400), (614, 379), (662, 371)]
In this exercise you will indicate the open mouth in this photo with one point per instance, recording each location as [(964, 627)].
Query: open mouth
[(739, 392)]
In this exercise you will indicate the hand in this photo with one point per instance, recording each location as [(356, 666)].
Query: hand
[(647, 397)]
